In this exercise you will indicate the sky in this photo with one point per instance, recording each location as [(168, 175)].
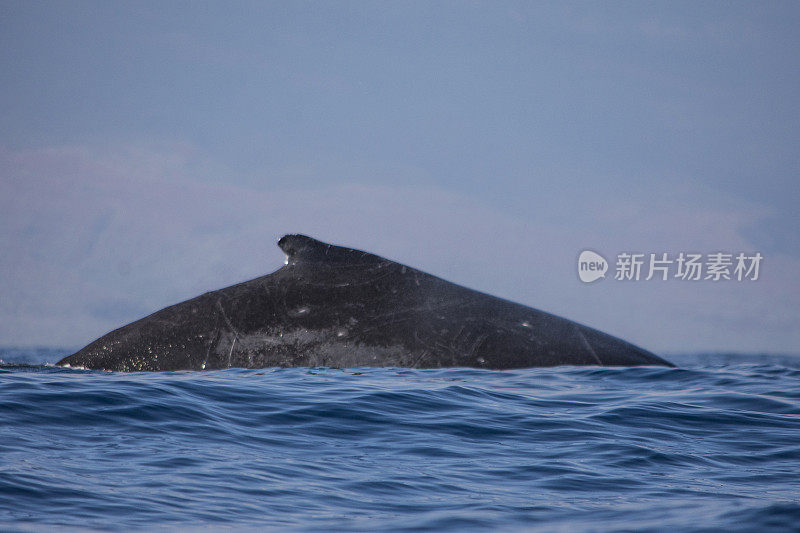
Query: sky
[(152, 151)]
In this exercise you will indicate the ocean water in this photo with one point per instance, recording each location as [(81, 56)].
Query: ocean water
[(711, 445)]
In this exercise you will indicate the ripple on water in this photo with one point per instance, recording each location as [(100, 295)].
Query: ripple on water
[(709, 445)]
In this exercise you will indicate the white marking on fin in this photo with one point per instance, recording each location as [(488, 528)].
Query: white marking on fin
[(231, 351), (588, 346)]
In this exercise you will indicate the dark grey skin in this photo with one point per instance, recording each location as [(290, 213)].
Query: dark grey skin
[(338, 307)]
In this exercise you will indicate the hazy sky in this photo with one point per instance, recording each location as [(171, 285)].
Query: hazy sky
[(150, 151)]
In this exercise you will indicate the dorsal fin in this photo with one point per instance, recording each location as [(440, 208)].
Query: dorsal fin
[(304, 249)]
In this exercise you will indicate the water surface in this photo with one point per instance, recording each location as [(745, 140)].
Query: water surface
[(713, 444)]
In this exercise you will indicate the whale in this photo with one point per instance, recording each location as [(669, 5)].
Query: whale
[(333, 306)]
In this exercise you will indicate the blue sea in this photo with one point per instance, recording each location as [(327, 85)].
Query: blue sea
[(711, 445)]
